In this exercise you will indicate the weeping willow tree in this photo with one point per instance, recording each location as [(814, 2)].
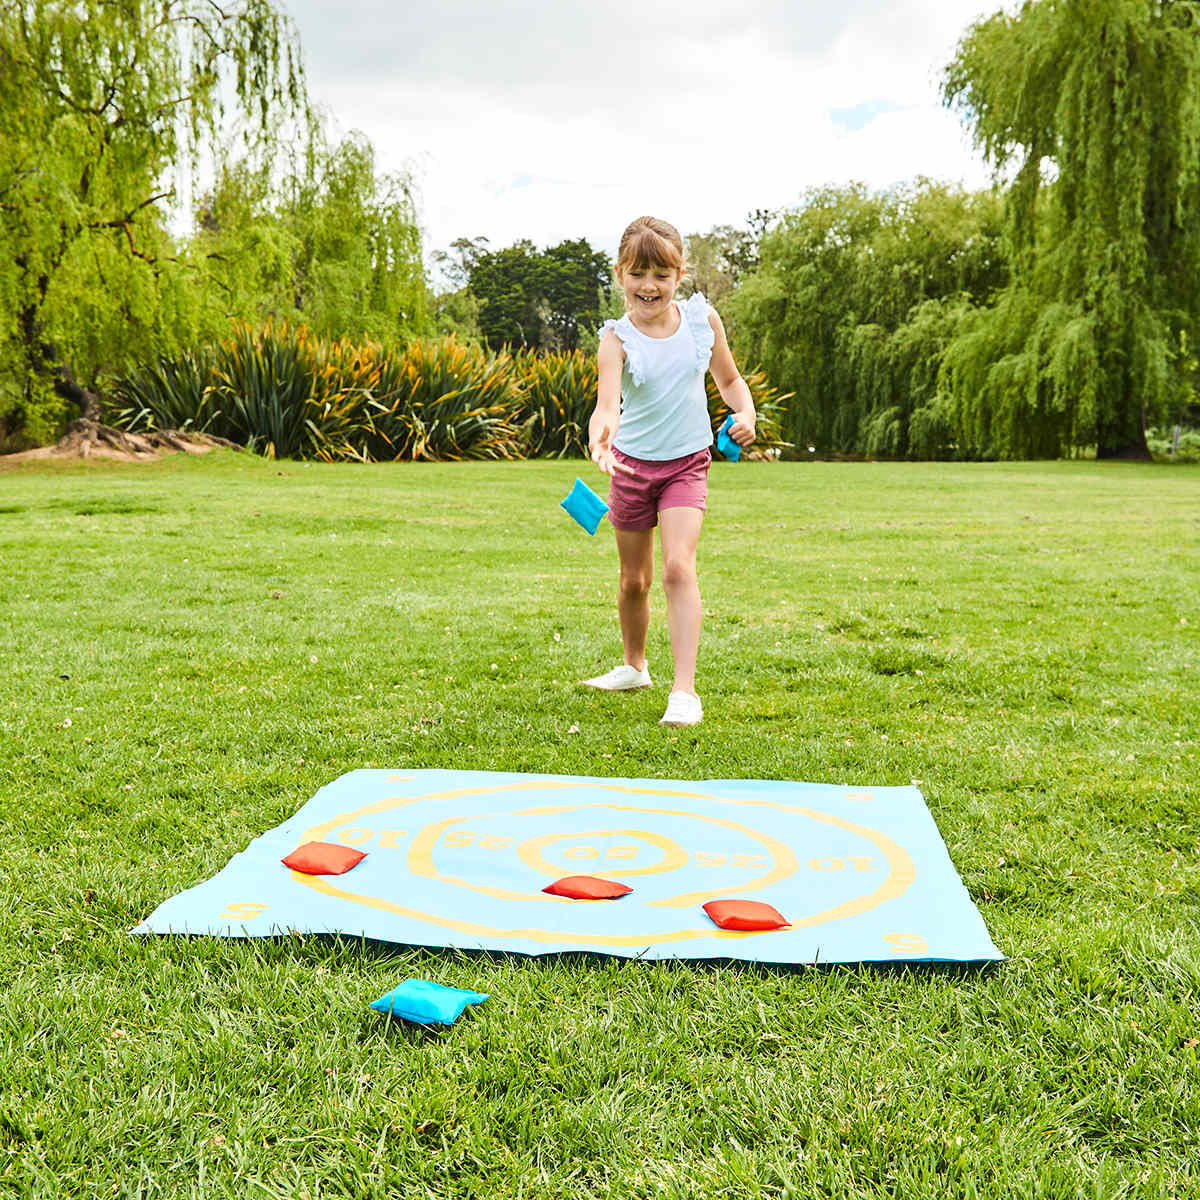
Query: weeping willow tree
[(852, 303), (103, 106), (325, 241), (1093, 106)]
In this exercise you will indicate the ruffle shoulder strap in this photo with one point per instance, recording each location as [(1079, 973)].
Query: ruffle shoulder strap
[(695, 313), (633, 350)]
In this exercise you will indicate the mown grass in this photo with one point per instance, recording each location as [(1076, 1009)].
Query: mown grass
[(190, 649)]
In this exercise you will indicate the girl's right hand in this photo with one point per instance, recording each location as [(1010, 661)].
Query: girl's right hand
[(603, 457)]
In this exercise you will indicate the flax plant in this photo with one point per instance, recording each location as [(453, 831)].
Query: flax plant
[(443, 400)]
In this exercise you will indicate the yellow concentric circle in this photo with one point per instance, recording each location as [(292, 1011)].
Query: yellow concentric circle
[(901, 871)]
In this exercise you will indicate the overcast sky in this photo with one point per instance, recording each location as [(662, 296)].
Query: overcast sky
[(553, 119)]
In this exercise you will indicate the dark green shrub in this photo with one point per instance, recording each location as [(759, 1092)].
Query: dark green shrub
[(557, 394), (175, 393), (440, 400)]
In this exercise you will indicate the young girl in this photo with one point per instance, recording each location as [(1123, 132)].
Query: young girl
[(651, 434)]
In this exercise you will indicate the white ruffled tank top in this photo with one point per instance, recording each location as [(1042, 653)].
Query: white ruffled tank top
[(664, 409)]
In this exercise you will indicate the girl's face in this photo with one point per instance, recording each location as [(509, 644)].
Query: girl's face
[(648, 290)]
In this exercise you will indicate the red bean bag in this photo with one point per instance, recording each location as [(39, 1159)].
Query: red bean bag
[(323, 858), (745, 914), (587, 887)]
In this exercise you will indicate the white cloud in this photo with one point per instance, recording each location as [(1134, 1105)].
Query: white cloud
[(546, 120)]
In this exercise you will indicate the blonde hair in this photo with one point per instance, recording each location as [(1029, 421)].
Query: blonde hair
[(649, 242)]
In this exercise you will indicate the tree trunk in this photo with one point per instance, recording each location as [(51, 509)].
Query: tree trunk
[(84, 436), (66, 386), (1129, 451), (1124, 443), (88, 436)]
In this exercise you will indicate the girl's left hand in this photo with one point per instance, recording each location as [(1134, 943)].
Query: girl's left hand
[(742, 430)]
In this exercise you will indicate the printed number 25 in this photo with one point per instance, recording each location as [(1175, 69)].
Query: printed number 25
[(744, 861), (486, 842)]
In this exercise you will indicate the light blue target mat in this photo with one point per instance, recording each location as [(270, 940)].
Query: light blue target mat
[(459, 859)]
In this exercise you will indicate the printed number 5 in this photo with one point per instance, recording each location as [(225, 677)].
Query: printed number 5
[(906, 943), (244, 912)]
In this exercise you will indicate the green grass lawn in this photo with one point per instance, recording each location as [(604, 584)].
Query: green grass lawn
[(191, 648)]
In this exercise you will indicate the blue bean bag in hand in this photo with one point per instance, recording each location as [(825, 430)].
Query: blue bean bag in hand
[(727, 446), (426, 1003), (585, 506)]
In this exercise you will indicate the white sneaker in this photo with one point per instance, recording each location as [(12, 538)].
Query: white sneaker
[(682, 709), (620, 679)]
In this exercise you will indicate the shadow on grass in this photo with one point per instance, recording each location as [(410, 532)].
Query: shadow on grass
[(312, 947)]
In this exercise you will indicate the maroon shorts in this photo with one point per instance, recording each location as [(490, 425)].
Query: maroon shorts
[(634, 501)]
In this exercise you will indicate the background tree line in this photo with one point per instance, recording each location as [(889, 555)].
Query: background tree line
[(520, 296), (1055, 313), (110, 114)]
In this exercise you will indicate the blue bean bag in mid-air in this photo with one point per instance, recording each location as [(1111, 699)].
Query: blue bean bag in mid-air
[(426, 1003), (585, 506)]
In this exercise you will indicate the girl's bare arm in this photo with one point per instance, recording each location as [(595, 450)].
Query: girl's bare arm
[(731, 385), (602, 427)]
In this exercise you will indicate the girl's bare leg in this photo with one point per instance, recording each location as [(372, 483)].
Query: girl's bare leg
[(679, 532), (636, 551)]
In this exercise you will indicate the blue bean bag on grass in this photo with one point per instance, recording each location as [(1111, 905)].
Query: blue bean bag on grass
[(426, 1003)]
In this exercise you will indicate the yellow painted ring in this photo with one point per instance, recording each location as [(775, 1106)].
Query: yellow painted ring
[(901, 871)]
